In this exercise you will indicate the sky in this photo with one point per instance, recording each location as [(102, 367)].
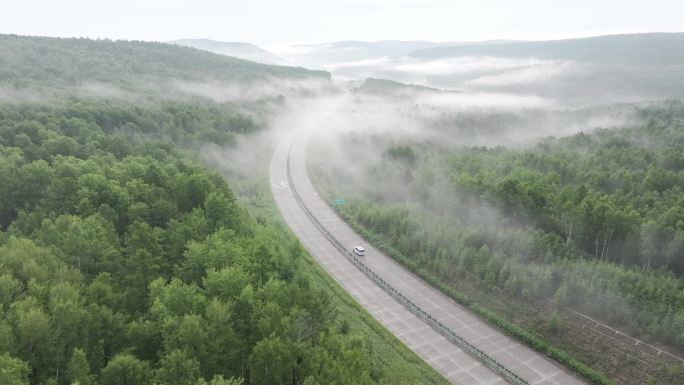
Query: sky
[(280, 22)]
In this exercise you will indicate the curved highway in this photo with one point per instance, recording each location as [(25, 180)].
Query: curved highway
[(426, 330)]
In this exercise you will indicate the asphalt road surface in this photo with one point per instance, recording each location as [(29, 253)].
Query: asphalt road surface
[(446, 357)]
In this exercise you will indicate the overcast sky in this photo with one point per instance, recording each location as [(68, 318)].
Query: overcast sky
[(269, 23)]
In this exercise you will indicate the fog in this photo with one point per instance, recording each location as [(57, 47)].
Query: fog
[(352, 130), (353, 126), (11, 95), (576, 72), (360, 127), (575, 84), (223, 91), (442, 106), (461, 70), (497, 102)]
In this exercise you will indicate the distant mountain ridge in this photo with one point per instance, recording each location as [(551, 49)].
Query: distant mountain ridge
[(246, 51), (381, 86), (636, 48), (580, 71)]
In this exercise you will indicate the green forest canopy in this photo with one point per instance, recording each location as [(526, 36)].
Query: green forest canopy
[(60, 61)]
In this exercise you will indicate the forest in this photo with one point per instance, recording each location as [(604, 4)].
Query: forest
[(52, 63), (131, 256), (125, 259), (593, 221)]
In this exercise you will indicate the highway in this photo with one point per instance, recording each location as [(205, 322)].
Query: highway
[(305, 212)]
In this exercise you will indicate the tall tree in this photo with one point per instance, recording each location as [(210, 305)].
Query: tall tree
[(125, 369)]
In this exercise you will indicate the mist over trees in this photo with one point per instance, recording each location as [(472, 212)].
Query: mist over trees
[(591, 221), (575, 72), (126, 260), (594, 220)]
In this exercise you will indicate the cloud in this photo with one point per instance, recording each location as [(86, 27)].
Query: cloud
[(470, 67), (534, 73), (499, 100), (463, 65), (11, 95), (232, 92)]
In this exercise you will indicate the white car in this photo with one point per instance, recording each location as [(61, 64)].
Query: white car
[(358, 250)]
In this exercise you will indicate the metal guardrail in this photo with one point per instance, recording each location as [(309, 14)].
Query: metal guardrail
[(635, 343), (412, 307)]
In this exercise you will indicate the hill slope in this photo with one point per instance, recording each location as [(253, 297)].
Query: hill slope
[(576, 72), (631, 48), (603, 69), (59, 61)]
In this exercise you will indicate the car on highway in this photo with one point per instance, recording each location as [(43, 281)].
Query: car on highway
[(358, 250)]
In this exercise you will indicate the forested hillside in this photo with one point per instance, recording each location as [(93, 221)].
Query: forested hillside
[(632, 48), (594, 222), (124, 260), (53, 61), (616, 195)]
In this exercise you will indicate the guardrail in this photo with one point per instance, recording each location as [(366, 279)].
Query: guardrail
[(490, 362)]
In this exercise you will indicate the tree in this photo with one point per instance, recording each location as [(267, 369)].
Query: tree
[(68, 325), (10, 289), (144, 262), (13, 371), (402, 153), (192, 336), (33, 337), (7, 339), (674, 251), (176, 298), (651, 243), (270, 362), (221, 210), (217, 251), (78, 369), (219, 380), (226, 283), (125, 369), (177, 368), (223, 344), (192, 191)]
